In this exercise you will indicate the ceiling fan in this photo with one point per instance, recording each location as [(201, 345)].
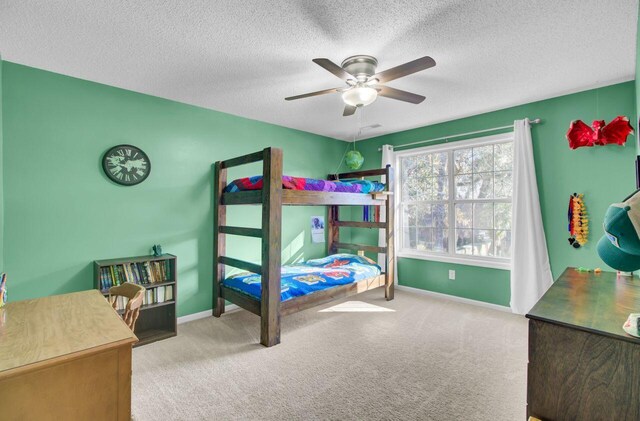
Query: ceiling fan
[(364, 84)]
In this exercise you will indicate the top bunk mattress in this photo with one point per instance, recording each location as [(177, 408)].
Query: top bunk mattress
[(310, 276), (309, 184)]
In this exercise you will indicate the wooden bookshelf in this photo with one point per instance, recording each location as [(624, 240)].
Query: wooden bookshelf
[(157, 318)]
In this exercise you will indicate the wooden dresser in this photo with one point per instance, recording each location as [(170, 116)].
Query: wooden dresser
[(582, 365), (64, 357)]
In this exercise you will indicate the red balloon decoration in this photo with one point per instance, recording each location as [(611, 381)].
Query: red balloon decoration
[(580, 134)]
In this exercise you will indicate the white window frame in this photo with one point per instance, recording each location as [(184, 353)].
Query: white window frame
[(450, 256)]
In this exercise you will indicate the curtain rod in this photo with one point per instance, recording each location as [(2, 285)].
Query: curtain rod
[(534, 121)]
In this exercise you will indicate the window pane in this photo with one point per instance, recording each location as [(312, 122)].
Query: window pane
[(433, 216), (483, 185), (415, 170), (431, 184), (424, 177), (407, 166), (464, 217), (408, 226), (424, 165), (503, 184), (440, 240), (425, 239), (409, 238), (423, 189), (408, 191), (464, 244), (420, 168), (483, 242), (440, 188), (464, 189), (483, 215), (503, 156), (409, 216), (440, 164), (440, 214), (483, 159), (502, 216), (424, 217), (503, 243), (462, 161)]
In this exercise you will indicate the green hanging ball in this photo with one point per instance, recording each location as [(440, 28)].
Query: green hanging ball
[(354, 160)]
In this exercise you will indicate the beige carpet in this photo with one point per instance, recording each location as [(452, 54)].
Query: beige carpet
[(430, 359)]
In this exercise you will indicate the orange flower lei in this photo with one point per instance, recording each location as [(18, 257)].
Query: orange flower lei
[(578, 221)]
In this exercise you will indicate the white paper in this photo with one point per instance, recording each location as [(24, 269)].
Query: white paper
[(317, 229)]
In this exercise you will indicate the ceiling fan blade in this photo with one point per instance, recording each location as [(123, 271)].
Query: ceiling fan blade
[(327, 64), (316, 93), (414, 66), (349, 110), (405, 96)]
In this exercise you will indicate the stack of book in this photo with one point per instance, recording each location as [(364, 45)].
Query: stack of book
[(141, 273), (156, 295)]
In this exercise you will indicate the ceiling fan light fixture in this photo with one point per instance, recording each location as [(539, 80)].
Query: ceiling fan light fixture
[(359, 96)]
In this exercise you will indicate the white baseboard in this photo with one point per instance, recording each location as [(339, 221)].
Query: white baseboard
[(203, 314), (454, 298)]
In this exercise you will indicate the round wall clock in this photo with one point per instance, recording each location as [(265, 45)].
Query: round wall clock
[(126, 165)]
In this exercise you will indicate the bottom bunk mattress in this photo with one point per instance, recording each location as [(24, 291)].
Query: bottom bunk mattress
[(310, 276)]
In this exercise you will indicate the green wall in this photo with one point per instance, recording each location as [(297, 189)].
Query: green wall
[(62, 213), (603, 174), (637, 79), (1, 178)]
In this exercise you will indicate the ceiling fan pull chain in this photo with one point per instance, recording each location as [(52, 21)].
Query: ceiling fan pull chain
[(358, 130)]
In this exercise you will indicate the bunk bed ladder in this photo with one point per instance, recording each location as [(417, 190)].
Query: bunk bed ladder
[(270, 233)]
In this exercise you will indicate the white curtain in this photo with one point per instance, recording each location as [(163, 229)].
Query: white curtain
[(387, 159), (530, 269)]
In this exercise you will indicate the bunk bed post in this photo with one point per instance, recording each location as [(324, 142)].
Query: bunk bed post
[(334, 230), (389, 231), (271, 246), (219, 243)]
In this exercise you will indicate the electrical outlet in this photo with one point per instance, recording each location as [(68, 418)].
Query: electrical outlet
[(452, 275)]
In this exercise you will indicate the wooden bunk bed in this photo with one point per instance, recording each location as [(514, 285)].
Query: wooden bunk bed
[(272, 197)]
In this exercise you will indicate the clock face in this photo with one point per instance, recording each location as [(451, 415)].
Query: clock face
[(126, 165)]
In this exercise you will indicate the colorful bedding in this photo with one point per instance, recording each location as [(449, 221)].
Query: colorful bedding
[(311, 184), (310, 276)]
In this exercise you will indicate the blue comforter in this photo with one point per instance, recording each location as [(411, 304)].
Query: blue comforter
[(310, 276)]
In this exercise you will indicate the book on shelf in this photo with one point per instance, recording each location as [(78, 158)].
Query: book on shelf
[(158, 275), (141, 273), (157, 295)]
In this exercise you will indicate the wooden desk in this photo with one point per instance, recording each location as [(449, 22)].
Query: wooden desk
[(582, 365), (65, 357)]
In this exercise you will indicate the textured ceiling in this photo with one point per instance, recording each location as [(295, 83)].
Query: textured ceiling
[(244, 57)]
